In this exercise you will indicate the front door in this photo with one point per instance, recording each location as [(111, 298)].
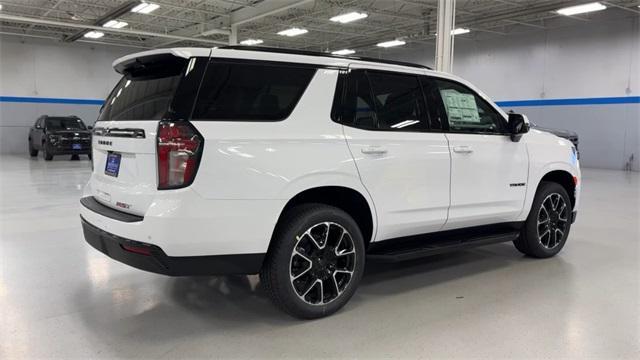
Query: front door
[(488, 170)]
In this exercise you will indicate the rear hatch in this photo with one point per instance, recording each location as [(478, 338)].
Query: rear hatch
[(156, 86)]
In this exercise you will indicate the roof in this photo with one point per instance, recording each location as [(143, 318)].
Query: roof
[(276, 54)]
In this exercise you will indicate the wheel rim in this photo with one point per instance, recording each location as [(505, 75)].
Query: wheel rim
[(552, 221), (322, 263)]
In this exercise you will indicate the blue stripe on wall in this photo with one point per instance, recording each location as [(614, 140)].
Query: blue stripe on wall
[(42, 100), (577, 101), (515, 103)]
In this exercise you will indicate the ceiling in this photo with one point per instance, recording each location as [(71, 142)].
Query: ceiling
[(208, 22)]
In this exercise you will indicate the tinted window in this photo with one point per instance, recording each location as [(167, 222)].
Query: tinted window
[(468, 112), (398, 100), (359, 107), (250, 91), (64, 123), (437, 115), (139, 99)]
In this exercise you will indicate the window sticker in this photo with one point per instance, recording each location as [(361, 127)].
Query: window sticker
[(460, 107)]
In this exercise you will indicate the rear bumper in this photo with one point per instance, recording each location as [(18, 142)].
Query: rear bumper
[(155, 260)]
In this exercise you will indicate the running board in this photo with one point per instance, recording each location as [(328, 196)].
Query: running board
[(415, 247)]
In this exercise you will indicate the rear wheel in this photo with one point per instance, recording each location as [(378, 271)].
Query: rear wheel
[(315, 261), (547, 227)]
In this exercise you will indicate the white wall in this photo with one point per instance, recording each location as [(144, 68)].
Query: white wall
[(44, 68), (581, 59), (47, 69)]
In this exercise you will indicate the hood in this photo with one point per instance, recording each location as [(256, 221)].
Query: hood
[(558, 132)]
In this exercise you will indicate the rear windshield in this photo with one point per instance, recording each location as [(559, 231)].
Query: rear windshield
[(250, 91), (64, 123), (144, 99), (146, 89)]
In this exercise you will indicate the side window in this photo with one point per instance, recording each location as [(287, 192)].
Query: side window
[(437, 115), (399, 101), (250, 92), (358, 106), (466, 111)]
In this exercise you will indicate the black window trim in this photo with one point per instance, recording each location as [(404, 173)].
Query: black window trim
[(336, 114), (504, 130), (230, 60)]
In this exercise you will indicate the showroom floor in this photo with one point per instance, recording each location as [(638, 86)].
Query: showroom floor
[(61, 298)]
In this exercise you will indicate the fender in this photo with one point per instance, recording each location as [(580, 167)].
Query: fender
[(326, 179), (536, 175)]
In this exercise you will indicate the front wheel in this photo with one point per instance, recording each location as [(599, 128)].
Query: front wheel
[(546, 229), (45, 153), (32, 151), (315, 261)]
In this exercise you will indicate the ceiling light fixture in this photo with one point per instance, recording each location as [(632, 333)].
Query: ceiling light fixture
[(349, 17), (94, 35), (581, 9), (293, 32), (145, 8), (343, 52), (391, 43), (115, 24), (251, 42)]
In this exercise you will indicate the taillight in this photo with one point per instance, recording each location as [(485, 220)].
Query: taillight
[(179, 150)]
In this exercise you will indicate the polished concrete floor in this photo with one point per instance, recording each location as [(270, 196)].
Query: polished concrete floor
[(59, 298)]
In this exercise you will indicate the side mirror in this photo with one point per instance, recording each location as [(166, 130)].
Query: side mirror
[(518, 125)]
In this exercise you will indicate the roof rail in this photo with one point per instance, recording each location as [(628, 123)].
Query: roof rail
[(317, 53)]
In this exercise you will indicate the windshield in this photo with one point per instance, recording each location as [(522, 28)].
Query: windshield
[(63, 123)]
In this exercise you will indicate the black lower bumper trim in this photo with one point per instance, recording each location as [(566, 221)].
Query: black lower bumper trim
[(92, 204), (158, 262)]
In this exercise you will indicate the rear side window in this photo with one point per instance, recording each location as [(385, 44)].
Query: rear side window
[(383, 101), (359, 108), (399, 101), (237, 91)]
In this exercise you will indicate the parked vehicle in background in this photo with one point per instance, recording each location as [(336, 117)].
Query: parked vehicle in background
[(302, 167), (59, 135)]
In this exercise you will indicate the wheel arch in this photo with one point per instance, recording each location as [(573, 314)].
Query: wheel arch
[(565, 179), (347, 199)]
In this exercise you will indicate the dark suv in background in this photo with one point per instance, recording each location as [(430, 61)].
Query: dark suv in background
[(59, 135)]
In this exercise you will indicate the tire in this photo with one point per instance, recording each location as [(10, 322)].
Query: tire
[(547, 227), (32, 152), (325, 285), (45, 153)]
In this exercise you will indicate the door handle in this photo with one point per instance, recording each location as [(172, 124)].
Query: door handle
[(463, 149), (373, 150)]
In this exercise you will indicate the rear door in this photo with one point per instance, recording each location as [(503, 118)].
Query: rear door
[(402, 162), (154, 88)]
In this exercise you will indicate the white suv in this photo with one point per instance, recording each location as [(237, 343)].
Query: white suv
[(298, 166)]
